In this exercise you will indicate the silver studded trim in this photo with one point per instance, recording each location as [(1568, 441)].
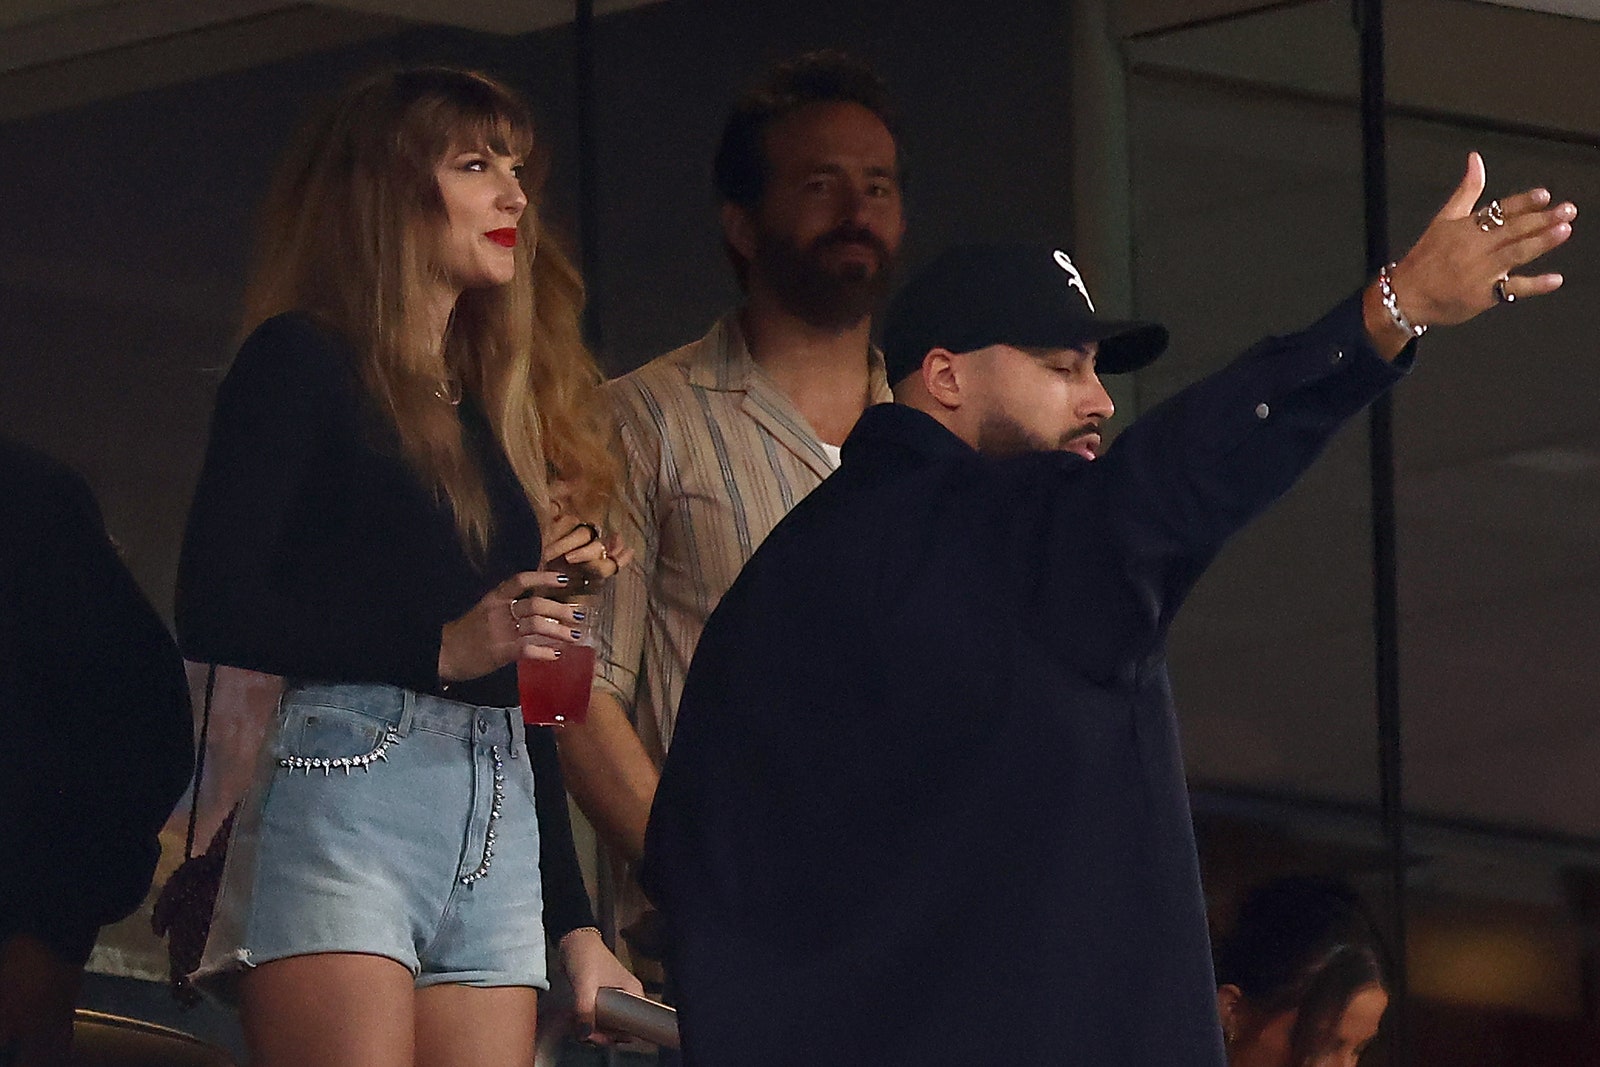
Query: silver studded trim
[(494, 817), (344, 763)]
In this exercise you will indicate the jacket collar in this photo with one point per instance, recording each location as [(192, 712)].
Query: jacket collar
[(896, 427)]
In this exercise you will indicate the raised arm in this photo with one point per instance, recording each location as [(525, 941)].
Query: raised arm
[(1199, 466)]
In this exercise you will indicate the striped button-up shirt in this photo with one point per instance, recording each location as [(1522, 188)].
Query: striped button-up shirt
[(714, 455)]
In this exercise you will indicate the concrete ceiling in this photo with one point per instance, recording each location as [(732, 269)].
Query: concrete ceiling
[(63, 53)]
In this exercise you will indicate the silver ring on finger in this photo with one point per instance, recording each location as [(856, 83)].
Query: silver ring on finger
[(512, 607), (1490, 216), (1502, 295)]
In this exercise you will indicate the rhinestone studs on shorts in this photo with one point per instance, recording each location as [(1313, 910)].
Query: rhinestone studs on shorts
[(494, 817), (328, 765)]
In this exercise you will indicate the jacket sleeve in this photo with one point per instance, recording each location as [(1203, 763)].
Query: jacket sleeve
[(101, 728), (1196, 468)]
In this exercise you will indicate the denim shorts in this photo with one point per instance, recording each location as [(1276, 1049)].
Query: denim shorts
[(386, 822)]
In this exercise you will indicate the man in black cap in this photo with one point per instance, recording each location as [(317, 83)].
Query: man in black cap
[(925, 803)]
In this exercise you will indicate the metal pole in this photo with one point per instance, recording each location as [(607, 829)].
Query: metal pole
[(589, 251), (588, 168), (1385, 593)]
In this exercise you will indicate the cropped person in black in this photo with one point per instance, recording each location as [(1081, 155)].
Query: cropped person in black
[(94, 715), (412, 409)]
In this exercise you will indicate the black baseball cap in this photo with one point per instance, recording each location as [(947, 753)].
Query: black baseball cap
[(1030, 296)]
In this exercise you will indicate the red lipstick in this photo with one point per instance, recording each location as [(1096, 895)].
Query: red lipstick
[(505, 237)]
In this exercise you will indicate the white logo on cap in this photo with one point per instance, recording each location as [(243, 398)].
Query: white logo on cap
[(1074, 279)]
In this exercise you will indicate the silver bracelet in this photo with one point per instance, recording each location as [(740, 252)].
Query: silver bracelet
[(1391, 304), (562, 943)]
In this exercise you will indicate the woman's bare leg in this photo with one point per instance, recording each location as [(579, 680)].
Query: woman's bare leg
[(464, 1026), (331, 1009)]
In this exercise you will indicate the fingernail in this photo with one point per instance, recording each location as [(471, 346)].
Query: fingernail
[(562, 579), (557, 652), (578, 616), (577, 635)]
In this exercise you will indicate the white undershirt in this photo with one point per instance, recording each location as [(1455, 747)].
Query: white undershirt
[(832, 452)]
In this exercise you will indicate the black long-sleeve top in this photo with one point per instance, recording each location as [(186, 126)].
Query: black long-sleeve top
[(314, 551), (95, 743)]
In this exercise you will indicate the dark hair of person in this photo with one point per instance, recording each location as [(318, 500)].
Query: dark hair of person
[(741, 168), (1301, 944)]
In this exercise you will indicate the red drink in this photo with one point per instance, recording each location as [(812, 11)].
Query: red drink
[(556, 692)]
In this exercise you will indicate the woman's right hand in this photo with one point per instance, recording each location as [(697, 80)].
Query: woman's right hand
[(502, 625)]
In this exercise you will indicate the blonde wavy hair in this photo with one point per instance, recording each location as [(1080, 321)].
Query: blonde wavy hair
[(349, 234)]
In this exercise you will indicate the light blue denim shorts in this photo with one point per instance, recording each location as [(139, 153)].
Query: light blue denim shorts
[(386, 822)]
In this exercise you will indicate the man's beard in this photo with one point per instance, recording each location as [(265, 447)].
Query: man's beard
[(827, 297), (1001, 435)]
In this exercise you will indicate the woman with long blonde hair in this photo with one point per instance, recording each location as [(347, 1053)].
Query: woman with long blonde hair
[(411, 409)]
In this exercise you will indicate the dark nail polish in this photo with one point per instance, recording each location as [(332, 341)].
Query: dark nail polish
[(557, 651), (562, 579), (577, 635), (578, 616)]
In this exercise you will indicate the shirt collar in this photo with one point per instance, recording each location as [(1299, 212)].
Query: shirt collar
[(724, 364)]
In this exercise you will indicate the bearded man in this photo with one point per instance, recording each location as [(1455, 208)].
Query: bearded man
[(722, 437)]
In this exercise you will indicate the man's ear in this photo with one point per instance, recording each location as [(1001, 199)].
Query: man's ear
[(941, 378), (738, 229), (1229, 997)]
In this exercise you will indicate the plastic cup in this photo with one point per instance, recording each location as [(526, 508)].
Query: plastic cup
[(556, 692)]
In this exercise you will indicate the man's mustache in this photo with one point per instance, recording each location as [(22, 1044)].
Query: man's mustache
[(847, 234)]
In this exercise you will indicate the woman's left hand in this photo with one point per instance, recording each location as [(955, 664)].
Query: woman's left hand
[(590, 967), (583, 548)]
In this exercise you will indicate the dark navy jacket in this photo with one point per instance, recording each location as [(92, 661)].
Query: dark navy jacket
[(925, 801), (95, 726)]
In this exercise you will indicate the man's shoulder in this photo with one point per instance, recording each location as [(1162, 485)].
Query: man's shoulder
[(39, 494), (31, 478), (664, 390)]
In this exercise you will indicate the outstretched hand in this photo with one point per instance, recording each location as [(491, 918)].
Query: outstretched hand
[(1450, 274)]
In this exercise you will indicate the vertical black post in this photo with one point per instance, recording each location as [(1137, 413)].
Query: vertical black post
[(588, 185), (589, 250), (1385, 593)]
